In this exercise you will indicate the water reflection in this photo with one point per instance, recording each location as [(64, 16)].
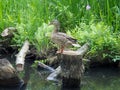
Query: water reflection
[(21, 86), (106, 78)]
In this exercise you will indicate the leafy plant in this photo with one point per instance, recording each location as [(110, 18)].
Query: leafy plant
[(28, 15), (42, 37), (103, 42), (116, 58), (36, 62)]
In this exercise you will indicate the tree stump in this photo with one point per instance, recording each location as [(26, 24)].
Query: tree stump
[(72, 67)]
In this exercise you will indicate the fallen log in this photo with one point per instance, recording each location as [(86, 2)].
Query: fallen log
[(54, 76), (20, 59), (42, 65), (72, 67), (8, 32), (8, 75)]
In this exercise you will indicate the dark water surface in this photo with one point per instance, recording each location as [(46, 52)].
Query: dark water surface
[(104, 78)]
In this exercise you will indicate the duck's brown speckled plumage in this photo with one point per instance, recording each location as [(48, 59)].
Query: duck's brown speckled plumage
[(61, 39)]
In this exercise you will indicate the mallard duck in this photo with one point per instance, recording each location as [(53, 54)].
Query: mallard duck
[(60, 38)]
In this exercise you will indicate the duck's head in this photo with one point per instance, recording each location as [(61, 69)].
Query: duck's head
[(56, 23)]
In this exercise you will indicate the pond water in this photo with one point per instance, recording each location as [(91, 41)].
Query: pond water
[(104, 78), (94, 79)]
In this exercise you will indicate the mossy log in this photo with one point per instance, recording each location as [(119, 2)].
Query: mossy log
[(8, 75), (72, 66)]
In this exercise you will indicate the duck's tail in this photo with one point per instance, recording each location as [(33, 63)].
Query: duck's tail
[(76, 45)]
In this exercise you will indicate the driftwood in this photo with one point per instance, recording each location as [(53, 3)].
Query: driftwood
[(42, 65), (20, 59), (54, 76), (8, 75), (7, 35), (72, 66), (8, 32)]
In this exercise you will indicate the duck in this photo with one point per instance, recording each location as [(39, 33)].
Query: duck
[(61, 39)]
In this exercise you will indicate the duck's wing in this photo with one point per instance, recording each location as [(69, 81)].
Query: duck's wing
[(58, 39), (67, 37)]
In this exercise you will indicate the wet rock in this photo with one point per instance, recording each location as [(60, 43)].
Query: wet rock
[(8, 75)]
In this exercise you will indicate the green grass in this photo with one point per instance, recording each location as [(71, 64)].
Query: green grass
[(70, 13), (28, 15)]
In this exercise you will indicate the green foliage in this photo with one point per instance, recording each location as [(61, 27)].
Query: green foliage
[(36, 62), (42, 37), (116, 58), (28, 15), (103, 41)]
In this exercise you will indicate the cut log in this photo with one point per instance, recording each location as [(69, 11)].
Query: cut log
[(72, 67), (8, 75), (20, 60)]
